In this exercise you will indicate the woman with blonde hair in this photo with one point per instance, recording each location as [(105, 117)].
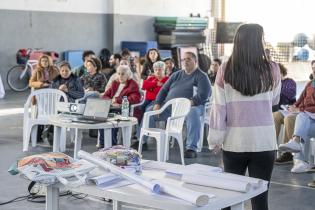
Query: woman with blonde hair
[(44, 73), (42, 77)]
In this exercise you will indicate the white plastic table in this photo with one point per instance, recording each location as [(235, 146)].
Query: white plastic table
[(138, 195), (61, 121)]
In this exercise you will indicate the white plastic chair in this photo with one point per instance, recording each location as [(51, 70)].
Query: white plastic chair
[(174, 126), (46, 100), (133, 106), (205, 121)]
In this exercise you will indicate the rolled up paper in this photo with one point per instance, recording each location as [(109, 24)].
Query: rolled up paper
[(211, 181), (253, 181), (107, 178), (154, 187), (194, 197)]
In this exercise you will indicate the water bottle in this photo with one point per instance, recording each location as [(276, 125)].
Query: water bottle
[(125, 107)]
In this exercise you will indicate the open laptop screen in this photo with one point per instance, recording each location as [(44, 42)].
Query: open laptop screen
[(97, 108)]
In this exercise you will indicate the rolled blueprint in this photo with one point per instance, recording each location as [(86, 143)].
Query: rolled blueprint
[(118, 171), (194, 197), (211, 181)]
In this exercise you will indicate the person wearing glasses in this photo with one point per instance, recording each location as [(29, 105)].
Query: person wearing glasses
[(191, 83)]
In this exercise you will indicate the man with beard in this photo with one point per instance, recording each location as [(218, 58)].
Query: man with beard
[(114, 63)]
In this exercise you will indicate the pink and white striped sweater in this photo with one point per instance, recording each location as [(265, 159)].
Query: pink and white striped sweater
[(243, 123)]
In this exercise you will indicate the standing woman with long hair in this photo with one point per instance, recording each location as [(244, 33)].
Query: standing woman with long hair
[(241, 121)]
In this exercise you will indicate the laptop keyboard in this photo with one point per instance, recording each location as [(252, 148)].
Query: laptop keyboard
[(85, 118)]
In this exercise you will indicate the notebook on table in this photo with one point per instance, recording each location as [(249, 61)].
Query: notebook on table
[(95, 111)]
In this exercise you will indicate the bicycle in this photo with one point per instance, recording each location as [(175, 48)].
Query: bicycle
[(19, 75)]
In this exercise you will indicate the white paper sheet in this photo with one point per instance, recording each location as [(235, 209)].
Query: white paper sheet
[(212, 181)]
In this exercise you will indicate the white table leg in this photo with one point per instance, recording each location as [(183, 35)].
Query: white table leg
[(34, 135), (160, 147), (52, 198), (116, 205), (239, 206), (126, 134), (77, 143), (56, 143), (63, 139), (107, 137)]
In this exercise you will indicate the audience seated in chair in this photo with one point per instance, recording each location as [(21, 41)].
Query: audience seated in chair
[(288, 89), (304, 125), (94, 82), (122, 86), (67, 82), (183, 84), (304, 129), (306, 102), (169, 66), (42, 77), (114, 61), (44, 73), (82, 70), (151, 57), (123, 62), (215, 65), (153, 84)]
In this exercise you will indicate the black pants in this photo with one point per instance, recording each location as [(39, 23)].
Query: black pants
[(114, 136), (259, 165)]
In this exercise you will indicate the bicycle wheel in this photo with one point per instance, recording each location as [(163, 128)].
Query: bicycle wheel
[(14, 81)]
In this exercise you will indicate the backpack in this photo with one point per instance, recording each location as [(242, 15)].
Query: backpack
[(53, 167), (22, 56)]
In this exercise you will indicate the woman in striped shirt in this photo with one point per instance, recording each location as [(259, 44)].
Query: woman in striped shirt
[(241, 119)]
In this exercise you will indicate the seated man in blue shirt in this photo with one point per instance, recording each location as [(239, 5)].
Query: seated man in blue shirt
[(190, 83)]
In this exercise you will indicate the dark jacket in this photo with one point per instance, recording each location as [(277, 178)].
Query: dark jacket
[(96, 82), (147, 70), (212, 76), (74, 85)]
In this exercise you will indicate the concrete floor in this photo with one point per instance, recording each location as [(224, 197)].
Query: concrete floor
[(287, 190)]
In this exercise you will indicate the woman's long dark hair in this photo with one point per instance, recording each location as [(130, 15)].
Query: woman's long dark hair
[(248, 69)]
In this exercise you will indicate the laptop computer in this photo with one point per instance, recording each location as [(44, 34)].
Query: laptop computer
[(95, 111)]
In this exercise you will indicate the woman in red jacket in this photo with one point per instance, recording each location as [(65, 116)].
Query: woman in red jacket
[(153, 84), (122, 86)]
